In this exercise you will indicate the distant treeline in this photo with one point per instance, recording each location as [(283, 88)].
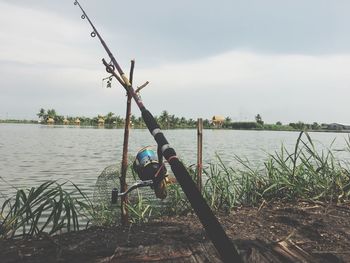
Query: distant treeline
[(165, 120), (299, 126), (170, 121), (18, 121)]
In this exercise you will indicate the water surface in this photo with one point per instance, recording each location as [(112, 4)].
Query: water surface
[(31, 154)]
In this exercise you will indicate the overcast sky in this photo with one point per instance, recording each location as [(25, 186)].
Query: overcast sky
[(288, 61)]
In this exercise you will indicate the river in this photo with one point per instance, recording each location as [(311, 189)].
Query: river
[(31, 154)]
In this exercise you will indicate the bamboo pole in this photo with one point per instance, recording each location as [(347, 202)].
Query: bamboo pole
[(199, 152), (122, 179)]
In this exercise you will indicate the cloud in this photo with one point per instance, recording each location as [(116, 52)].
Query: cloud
[(280, 87), (236, 64), (33, 37)]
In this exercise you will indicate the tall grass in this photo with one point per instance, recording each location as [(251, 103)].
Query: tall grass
[(47, 208), (305, 173)]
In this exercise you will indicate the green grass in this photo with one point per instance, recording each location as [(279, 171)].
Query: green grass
[(141, 210)]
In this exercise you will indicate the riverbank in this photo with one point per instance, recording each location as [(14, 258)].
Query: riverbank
[(296, 206), (273, 232), (121, 126)]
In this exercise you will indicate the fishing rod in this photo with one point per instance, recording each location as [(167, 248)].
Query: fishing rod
[(216, 233)]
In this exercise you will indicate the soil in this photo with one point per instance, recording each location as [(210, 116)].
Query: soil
[(275, 232)]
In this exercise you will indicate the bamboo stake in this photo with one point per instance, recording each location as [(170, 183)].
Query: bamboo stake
[(199, 152), (122, 179)]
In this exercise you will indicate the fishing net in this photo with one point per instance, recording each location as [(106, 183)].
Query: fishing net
[(109, 179), (106, 181), (142, 201)]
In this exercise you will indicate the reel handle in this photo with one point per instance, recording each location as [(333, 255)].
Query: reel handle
[(115, 194)]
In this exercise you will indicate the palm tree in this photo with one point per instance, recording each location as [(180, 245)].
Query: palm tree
[(59, 119), (109, 118), (133, 120), (51, 113), (140, 122), (227, 122), (119, 120), (164, 119), (259, 119), (41, 114), (206, 123), (191, 123), (183, 122)]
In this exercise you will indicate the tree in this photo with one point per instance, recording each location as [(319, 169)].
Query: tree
[(109, 118), (298, 126), (206, 123), (315, 126), (259, 120), (42, 114), (119, 120), (279, 123), (59, 119), (191, 123), (140, 122), (51, 113), (164, 119), (183, 122), (132, 120), (227, 122), (174, 121)]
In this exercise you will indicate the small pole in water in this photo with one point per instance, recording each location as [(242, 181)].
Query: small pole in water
[(199, 152), (122, 179)]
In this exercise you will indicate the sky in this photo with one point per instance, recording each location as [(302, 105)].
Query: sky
[(288, 61)]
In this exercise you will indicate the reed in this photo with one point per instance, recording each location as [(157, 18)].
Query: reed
[(305, 173), (141, 210), (48, 207)]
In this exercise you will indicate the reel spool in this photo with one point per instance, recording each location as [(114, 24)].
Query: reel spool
[(147, 167)]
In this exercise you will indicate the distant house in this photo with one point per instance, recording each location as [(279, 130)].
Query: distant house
[(101, 122), (77, 121), (65, 121), (50, 121), (336, 127), (218, 120)]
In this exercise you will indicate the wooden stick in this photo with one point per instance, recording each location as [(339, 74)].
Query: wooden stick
[(142, 86), (123, 184), (199, 153)]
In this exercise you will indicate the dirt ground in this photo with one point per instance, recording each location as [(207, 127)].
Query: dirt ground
[(318, 232)]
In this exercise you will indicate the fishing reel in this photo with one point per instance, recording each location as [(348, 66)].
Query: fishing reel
[(151, 172)]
